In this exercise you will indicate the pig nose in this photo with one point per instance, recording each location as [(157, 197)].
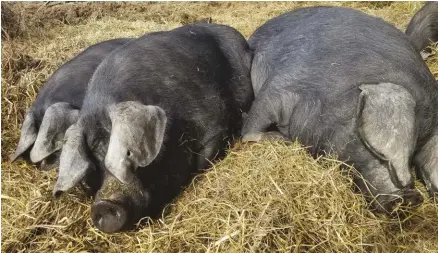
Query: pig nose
[(407, 198), (109, 216), (412, 198)]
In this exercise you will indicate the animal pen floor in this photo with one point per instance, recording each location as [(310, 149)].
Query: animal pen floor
[(261, 197)]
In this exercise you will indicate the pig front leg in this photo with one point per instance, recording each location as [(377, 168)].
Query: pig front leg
[(270, 108)]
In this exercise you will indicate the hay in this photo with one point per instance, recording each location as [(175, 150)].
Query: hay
[(10, 22), (261, 197)]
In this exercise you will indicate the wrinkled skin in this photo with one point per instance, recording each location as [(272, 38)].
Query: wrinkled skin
[(157, 111), (343, 82), (422, 30), (57, 106)]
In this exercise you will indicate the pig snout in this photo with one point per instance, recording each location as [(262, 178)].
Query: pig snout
[(110, 216), (388, 203), (117, 207)]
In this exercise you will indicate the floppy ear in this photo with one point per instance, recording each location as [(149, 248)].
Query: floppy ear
[(74, 161), (136, 137), (385, 123), (28, 135), (57, 118)]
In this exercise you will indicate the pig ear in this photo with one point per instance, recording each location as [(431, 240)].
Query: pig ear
[(57, 118), (74, 161), (386, 117), (136, 137), (28, 135)]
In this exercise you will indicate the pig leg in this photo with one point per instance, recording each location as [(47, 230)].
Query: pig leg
[(426, 161), (268, 109)]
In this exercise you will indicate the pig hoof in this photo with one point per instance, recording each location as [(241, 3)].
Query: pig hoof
[(258, 137), (109, 216)]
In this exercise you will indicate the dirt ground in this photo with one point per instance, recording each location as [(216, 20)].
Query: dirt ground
[(260, 198)]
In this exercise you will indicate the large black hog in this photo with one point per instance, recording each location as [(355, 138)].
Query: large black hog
[(422, 30), (57, 105), (341, 81), (157, 111)]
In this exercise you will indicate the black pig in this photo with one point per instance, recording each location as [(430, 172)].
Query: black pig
[(341, 81), (156, 111)]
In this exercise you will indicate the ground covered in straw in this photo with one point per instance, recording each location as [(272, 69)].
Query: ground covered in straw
[(260, 198)]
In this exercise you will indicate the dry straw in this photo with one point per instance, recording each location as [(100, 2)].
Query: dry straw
[(260, 198)]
